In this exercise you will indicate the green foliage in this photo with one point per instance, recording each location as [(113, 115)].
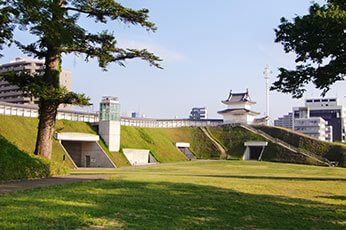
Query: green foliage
[(197, 195), (55, 25), (6, 30), (332, 151), (318, 40)]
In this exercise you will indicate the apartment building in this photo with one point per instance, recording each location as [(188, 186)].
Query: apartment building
[(330, 110), (12, 94), (315, 127)]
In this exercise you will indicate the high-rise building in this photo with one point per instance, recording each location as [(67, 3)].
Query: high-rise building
[(12, 94), (198, 113), (323, 118), (330, 110)]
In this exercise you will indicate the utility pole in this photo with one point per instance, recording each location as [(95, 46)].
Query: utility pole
[(267, 72)]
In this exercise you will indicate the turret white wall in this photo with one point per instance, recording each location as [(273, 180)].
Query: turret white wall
[(239, 106), (243, 118)]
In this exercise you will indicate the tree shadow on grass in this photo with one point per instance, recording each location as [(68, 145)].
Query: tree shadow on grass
[(160, 205), (333, 197), (275, 178)]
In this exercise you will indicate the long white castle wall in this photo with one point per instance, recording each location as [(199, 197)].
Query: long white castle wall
[(31, 111)]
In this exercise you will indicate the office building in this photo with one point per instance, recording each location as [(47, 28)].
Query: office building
[(324, 115), (330, 110), (12, 94), (198, 113)]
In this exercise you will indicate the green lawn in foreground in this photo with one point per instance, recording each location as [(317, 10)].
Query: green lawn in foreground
[(195, 195)]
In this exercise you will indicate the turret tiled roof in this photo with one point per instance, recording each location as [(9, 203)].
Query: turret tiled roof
[(239, 111), (238, 97)]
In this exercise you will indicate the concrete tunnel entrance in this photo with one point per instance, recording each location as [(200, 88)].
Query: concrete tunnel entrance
[(184, 148), (254, 150), (84, 150)]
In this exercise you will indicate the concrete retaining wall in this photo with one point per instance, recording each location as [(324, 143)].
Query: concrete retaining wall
[(137, 156)]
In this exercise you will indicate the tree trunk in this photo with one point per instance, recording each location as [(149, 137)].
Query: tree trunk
[(47, 114), (48, 106), (49, 101)]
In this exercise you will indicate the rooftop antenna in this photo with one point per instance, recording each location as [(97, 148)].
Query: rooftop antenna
[(267, 73)]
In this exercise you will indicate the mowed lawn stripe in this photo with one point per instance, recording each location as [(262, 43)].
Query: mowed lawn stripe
[(201, 195)]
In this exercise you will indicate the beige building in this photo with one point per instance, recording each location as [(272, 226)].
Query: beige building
[(12, 94)]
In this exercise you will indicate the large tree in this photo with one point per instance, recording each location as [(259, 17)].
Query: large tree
[(318, 39), (55, 24)]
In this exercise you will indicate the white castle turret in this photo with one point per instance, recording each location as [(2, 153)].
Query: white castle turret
[(238, 109)]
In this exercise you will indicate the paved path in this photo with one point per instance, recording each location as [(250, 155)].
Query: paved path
[(14, 186), (221, 149), (7, 187)]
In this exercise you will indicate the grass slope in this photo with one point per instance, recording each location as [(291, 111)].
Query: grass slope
[(161, 141), (195, 195), (159, 144), (200, 145), (331, 151), (233, 138), (17, 145), (17, 161)]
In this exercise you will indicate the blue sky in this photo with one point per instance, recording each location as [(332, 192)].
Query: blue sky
[(208, 47)]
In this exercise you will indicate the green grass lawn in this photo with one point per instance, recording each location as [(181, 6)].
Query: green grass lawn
[(195, 195)]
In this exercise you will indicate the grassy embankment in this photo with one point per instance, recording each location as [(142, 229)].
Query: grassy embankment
[(332, 151), (18, 136), (233, 138), (161, 141), (17, 144), (196, 195)]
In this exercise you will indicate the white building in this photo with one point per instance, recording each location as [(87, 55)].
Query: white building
[(329, 110), (315, 127), (238, 109)]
